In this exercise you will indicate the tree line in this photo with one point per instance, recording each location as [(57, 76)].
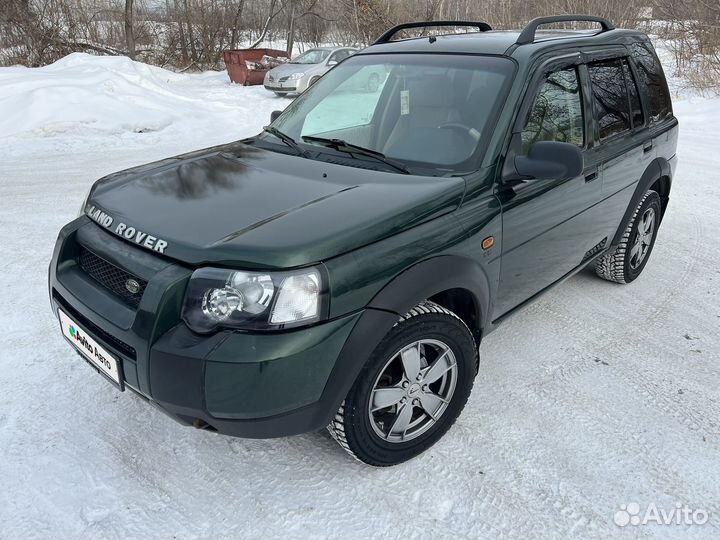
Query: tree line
[(192, 34)]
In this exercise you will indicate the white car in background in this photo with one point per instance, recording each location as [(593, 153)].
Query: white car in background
[(298, 74)]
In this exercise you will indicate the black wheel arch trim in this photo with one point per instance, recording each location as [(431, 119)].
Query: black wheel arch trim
[(658, 168), (434, 276), (406, 290)]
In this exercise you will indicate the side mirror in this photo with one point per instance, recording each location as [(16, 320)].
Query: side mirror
[(548, 160), (274, 116), (332, 62)]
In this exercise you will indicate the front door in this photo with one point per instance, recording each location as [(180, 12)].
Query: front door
[(547, 230)]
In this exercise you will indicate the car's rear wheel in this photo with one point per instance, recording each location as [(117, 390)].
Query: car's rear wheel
[(627, 261), (411, 390)]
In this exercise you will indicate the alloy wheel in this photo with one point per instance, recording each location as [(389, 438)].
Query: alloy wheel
[(643, 238), (413, 390)]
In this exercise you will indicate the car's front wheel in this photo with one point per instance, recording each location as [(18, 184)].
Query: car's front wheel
[(411, 390)]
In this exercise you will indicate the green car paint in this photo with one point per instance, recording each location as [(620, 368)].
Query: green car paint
[(384, 240)]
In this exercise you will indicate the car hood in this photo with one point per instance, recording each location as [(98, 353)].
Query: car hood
[(288, 69), (237, 204)]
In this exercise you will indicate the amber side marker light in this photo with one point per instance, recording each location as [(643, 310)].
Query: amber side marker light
[(488, 242)]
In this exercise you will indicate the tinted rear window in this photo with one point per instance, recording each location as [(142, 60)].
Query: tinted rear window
[(610, 97), (638, 118), (652, 81)]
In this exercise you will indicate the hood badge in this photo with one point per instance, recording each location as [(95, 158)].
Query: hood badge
[(131, 234), (132, 286)]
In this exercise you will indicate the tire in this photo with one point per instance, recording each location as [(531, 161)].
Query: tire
[(281, 94), (626, 262), (371, 434)]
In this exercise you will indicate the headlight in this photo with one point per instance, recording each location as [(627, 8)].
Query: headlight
[(296, 76), (219, 298)]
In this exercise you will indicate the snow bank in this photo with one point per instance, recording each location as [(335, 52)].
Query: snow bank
[(83, 97)]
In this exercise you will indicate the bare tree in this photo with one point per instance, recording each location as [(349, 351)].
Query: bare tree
[(192, 34), (129, 29)]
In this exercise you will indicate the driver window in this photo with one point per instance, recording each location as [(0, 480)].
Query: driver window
[(557, 112)]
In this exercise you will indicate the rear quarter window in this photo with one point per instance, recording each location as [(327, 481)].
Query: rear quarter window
[(610, 97), (638, 118), (652, 81)]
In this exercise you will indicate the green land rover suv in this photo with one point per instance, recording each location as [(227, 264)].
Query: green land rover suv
[(341, 268)]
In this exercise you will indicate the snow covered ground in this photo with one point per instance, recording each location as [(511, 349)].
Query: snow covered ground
[(596, 396)]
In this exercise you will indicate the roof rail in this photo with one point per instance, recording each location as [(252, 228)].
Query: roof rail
[(528, 33), (481, 26)]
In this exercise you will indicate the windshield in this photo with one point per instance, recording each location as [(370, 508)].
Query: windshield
[(430, 112), (313, 56)]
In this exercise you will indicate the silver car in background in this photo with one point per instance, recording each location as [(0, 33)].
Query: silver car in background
[(298, 74)]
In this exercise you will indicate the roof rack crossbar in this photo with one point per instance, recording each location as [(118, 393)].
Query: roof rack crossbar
[(528, 33), (385, 38)]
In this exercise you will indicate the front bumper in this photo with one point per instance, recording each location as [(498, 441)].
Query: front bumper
[(239, 383), (290, 86), (281, 88)]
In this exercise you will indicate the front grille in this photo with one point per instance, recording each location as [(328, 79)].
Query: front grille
[(111, 277), (284, 79), (95, 330)]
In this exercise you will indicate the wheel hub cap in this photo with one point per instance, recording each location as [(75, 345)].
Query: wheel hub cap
[(643, 238), (413, 390)]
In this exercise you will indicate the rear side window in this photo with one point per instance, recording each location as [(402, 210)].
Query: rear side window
[(610, 97), (557, 112), (339, 55), (652, 80), (638, 117)]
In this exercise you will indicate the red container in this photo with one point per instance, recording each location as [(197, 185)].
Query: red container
[(238, 70)]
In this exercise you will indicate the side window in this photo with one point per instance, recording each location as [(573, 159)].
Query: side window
[(652, 80), (610, 97), (557, 112), (339, 55), (638, 118)]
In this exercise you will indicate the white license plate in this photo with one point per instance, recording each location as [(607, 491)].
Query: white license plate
[(105, 362)]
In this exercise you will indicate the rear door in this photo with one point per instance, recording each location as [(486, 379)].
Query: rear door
[(662, 125), (547, 229), (625, 147)]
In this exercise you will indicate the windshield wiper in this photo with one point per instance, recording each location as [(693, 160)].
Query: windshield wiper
[(287, 139), (344, 146)]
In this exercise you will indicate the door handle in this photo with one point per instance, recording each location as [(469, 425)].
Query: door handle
[(647, 147), (592, 176)]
